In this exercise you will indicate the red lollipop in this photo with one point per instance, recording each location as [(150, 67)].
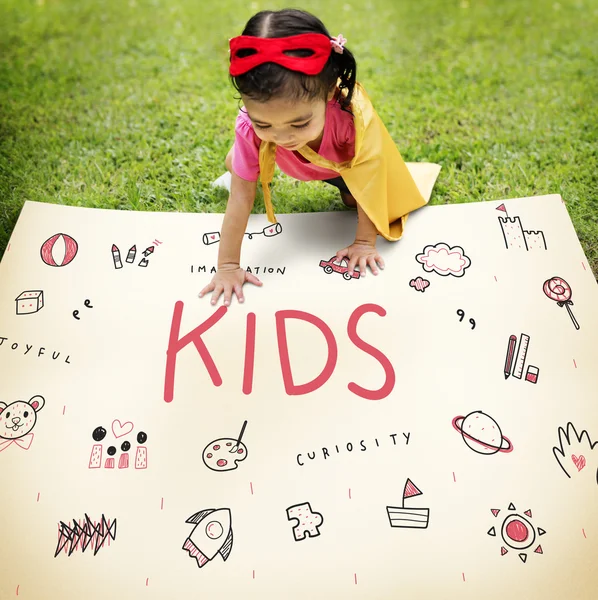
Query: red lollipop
[(559, 290)]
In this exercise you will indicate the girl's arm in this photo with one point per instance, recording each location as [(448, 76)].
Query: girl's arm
[(230, 277)]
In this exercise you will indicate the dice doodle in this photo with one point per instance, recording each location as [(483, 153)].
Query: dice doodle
[(308, 521)]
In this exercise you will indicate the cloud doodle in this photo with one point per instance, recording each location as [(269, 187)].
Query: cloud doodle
[(444, 260)]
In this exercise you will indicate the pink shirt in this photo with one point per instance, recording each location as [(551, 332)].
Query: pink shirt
[(338, 145)]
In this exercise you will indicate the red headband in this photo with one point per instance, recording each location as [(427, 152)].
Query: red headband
[(272, 50)]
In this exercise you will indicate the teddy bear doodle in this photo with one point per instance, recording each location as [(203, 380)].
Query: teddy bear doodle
[(17, 420)]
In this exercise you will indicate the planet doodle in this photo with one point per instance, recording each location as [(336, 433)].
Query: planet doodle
[(482, 433)]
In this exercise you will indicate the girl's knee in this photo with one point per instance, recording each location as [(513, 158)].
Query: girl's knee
[(228, 161)]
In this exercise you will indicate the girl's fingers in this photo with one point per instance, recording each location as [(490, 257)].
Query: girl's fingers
[(251, 278), (342, 253), (216, 294), (228, 292), (352, 263), (362, 266), (380, 261), (207, 289), (373, 266), (239, 291)]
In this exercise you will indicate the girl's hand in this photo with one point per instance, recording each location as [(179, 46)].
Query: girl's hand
[(362, 254), (228, 280)]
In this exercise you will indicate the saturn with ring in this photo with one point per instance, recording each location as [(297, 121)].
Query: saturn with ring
[(482, 433)]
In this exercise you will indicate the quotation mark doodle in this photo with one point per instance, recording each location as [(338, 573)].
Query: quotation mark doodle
[(87, 304), (461, 314)]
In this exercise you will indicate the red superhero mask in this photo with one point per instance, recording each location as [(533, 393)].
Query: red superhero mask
[(272, 50)]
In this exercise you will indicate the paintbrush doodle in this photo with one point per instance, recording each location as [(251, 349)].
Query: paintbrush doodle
[(59, 250), (517, 237), (223, 454), (517, 532), (307, 522), (409, 518), (444, 260), (118, 430), (213, 237), (29, 302), (17, 420), (212, 534), (84, 533), (481, 433), (575, 451)]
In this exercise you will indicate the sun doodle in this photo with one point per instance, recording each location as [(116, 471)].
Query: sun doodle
[(517, 532)]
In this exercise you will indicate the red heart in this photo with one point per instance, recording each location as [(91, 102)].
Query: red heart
[(270, 230), (579, 461), (212, 237)]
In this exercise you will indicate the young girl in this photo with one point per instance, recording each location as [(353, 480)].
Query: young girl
[(305, 112)]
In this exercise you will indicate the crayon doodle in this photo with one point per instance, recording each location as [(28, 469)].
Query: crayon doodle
[(461, 315), (84, 533), (223, 454), (516, 237), (517, 532), (575, 451), (212, 534), (340, 266), (307, 522), (131, 255), (419, 284), (444, 260), (213, 237), (17, 420), (557, 289), (59, 250), (481, 433), (118, 430), (409, 518), (29, 302), (515, 359), (87, 304)]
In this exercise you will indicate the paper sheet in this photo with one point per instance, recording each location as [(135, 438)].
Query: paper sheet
[(427, 433)]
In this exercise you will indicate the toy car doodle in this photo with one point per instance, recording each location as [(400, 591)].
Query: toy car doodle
[(339, 266)]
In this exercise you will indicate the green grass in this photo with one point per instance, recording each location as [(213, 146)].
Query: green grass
[(126, 103)]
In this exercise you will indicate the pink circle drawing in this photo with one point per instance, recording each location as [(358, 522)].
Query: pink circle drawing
[(557, 289), (63, 254)]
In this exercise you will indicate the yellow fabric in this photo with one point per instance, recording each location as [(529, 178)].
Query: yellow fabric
[(376, 176)]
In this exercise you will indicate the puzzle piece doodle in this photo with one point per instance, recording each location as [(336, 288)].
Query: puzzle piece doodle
[(308, 522)]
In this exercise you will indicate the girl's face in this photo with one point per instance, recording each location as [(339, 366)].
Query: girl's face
[(290, 124)]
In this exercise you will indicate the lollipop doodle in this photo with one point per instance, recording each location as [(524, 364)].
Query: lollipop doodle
[(559, 290)]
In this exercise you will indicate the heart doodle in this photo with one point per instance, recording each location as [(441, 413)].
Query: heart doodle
[(271, 230), (579, 461), (213, 237), (119, 429)]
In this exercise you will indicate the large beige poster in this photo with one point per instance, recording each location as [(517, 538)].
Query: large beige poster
[(427, 433)]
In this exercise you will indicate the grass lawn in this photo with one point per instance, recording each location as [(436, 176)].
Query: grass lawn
[(126, 103)]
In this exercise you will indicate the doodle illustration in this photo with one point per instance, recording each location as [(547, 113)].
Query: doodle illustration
[(29, 302), (17, 421), (59, 250), (461, 314), (517, 532), (308, 522), (340, 266), (409, 518), (517, 237), (444, 260), (118, 430), (481, 433), (223, 454), (419, 284), (84, 533), (87, 304), (212, 534), (269, 231), (559, 290), (575, 450), (131, 254), (116, 257), (515, 359)]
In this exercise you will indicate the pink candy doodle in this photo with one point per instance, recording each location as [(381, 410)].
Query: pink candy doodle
[(419, 284)]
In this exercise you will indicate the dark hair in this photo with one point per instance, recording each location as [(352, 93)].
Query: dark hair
[(271, 80)]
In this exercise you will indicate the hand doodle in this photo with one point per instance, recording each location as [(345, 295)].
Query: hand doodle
[(461, 314)]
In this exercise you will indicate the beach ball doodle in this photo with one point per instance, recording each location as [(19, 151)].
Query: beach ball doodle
[(59, 250), (559, 290), (517, 532), (481, 433)]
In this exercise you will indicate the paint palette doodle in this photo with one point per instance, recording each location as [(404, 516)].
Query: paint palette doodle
[(224, 454)]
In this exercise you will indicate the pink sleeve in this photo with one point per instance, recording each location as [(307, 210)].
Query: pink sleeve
[(246, 162)]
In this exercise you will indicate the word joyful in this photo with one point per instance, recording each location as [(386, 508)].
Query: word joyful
[(29, 349), (176, 343), (255, 270), (349, 447)]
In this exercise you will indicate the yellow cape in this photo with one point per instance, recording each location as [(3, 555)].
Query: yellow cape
[(376, 176)]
